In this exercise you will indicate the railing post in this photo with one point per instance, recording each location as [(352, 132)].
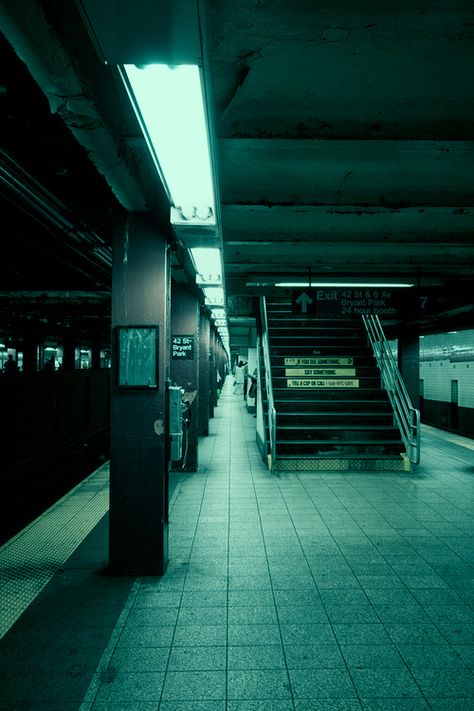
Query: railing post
[(406, 417)]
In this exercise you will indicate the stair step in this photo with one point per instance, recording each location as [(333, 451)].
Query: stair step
[(313, 340), (337, 436), (324, 371), (336, 394), (330, 349), (351, 420), (339, 428), (343, 463), (316, 448), (363, 382), (334, 408), (331, 331), (287, 319), (341, 455)]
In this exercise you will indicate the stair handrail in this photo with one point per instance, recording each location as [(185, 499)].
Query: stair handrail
[(407, 417), (271, 412)]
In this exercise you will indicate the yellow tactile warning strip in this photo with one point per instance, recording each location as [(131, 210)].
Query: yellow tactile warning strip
[(30, 559)]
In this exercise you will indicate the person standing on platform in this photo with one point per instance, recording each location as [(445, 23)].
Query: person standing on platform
[(10, 367), (239, 377)]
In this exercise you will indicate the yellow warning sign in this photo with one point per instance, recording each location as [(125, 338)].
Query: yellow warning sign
[(327, 360), (326, 383), (320, 371)]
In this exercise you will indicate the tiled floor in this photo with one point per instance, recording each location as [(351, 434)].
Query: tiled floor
[(306, 592)]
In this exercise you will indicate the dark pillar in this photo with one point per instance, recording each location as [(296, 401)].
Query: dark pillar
[(204, 331), (139, 461), (69, 350), (409, 363), (185, 364), (212, 372), (30, 352), (95, 352)]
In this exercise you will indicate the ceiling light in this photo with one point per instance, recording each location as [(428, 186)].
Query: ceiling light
[(218, 312), (169, 104), (207, 263), (214, 295), (342, 284)]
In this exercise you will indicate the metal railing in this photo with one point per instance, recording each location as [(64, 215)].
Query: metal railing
[(271, 412), (406, 416)]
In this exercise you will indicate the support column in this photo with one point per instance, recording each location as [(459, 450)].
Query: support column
[(69, 350), (30, 352), (204, 332), (95, 351), (212, 372), (185, 363), (139, 450), (409, 362)]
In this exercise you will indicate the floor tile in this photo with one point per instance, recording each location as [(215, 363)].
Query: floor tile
[(194, 686), (256, 657), (421, 656), (137, 659), (314, 656), (414, 633), (368, 656), (131, 686), (384, 683), (396, 704), (267, 705), (361, 634), (445, 683), (200, 635), (258, 684), (321, 684), (197, 658), (307, 634), (252, 615), (327, 705), (209, 615), (184, 706)]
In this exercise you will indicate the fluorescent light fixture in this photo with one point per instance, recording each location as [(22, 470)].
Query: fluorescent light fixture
[(169, 104), (218, 313), (207, 262), (343, 284), (2, 345), (220, 322), (214, 295)]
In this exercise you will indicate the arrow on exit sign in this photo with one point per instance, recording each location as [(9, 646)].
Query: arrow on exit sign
[(303, 301)]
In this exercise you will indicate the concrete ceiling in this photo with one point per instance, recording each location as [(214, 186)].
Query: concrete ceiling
[(344, 135)]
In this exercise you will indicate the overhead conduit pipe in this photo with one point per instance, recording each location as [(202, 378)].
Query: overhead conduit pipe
[(28, 194)]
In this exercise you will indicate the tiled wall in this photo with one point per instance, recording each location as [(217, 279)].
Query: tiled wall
[(446, 357), (443, 358)]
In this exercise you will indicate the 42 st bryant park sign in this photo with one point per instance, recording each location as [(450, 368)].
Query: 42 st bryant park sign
[(386, 303)]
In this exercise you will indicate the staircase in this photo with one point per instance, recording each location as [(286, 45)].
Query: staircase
[(332, 412)]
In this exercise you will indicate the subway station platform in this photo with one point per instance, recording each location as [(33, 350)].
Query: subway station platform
[(304, 591)]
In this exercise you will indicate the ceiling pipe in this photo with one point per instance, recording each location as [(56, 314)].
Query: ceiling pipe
[(28, 194)]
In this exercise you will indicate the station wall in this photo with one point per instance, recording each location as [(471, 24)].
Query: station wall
[(447, 381)]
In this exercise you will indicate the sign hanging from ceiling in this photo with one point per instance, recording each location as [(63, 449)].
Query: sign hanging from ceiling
[(383, 302)]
